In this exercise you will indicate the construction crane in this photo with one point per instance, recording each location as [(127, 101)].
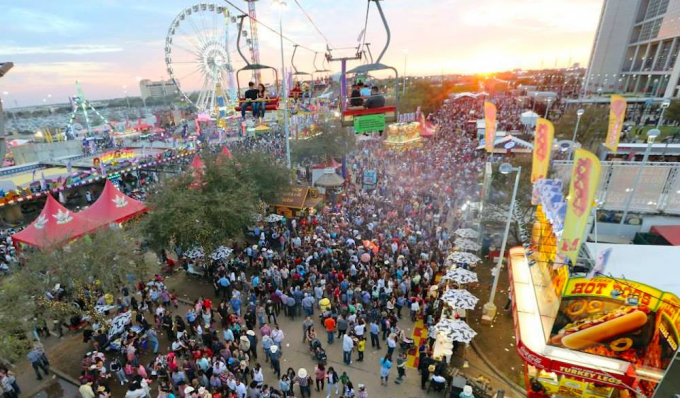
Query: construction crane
[(4, 68)]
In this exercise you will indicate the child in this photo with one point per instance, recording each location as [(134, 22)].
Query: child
[(344, 379), (401, 367), (360, 348)]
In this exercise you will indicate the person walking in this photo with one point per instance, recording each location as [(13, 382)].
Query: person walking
[(275, 358), (320, 376), (329, 324), (361, 346), (401, 367), (333, 379), (152, 338), (303, 380), (306, 324), (385, 366), (362, 391), (116, 368), (375, 334), (347, 347), (39, 361)]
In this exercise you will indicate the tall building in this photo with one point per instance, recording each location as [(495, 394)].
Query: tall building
[(159, 89), (636, 49)]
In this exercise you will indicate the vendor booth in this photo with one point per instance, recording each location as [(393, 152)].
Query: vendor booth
[(582, 333), (113, 206), (297, 201)]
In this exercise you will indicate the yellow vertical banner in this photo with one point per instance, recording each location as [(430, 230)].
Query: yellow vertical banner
[(489, 126), (585, 176), (617, 113), (543, 139)]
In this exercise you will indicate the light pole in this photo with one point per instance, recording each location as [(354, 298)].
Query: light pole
[(547, 108), (403, 87), (286, 128), (664, 105), (490, 307), (651, 136), (127, 100), (579, 113)]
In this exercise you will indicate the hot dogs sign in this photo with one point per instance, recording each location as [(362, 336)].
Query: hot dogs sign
[(618, 319)]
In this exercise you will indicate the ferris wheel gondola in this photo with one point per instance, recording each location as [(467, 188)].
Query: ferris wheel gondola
[(198, 56)]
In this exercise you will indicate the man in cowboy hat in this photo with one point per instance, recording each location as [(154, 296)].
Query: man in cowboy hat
[(275, 357)]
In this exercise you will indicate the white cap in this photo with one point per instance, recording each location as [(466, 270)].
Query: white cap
[(273, 348), (467, 390), (188, 390)]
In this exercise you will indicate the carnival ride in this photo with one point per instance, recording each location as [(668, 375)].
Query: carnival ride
[(390, 112), (80, 104), (271, 103), (198, 56)]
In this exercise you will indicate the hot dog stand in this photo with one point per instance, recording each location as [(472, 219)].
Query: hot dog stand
[(583, 335)]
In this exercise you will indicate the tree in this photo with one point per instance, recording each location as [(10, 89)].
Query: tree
[(86, 269), (334, 142), (592, 128), (673, 112), (217, 206), (268, 179)]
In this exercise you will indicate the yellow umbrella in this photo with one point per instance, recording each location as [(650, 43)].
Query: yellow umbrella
[(262, 127)]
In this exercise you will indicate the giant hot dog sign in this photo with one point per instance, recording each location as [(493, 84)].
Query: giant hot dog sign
[(619, 319)]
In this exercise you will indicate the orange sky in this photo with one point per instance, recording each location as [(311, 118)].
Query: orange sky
[(106, 45)]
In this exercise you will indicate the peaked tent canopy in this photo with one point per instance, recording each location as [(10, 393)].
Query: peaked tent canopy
[(226, 152), (197, 163), (113, 206), (55, 225), (328, 164), (196, 168)]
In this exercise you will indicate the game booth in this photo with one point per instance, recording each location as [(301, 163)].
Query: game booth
[(582, 333)]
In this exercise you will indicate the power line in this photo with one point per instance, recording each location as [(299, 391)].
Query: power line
[(267, 27), (313, 24)]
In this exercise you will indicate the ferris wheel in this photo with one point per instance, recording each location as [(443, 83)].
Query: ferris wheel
[(199, 59)]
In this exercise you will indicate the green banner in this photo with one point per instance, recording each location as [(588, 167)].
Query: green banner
[(368, 123)]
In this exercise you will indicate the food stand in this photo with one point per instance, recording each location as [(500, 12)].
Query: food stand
[(297, 201), (583, 335)]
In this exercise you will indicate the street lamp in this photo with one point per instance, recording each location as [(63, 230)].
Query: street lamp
[(651, 136), (579, 113), (490, 307), (403, 87), (281, 5), (547, 108), (664, 105), (126, 96)]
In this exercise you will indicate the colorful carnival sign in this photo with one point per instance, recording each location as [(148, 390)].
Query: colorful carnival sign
[(542, 147), (585, 176), (618, 318), (489, 126), (617, 113)]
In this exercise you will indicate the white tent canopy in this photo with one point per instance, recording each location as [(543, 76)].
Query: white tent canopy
[(628, 261), (529, 118)]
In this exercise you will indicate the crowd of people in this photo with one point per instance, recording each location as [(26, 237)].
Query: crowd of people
[(354, 274)]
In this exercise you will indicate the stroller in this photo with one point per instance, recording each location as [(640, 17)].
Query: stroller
[(405, 344), (317, 351)]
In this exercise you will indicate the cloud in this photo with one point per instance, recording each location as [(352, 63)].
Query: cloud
[(37, 22), (76, 49)]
